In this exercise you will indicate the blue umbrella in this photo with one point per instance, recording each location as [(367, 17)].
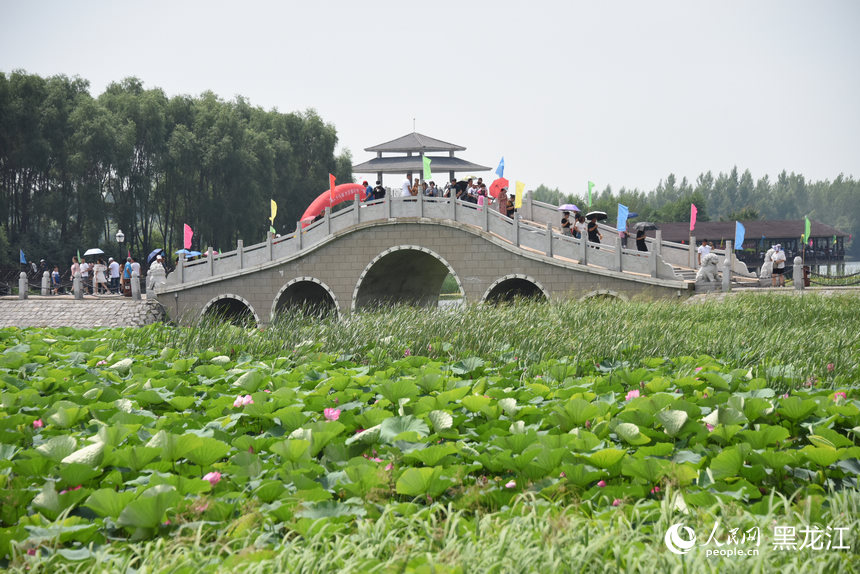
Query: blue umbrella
[(155, 253), (188, 253), (632, 214)]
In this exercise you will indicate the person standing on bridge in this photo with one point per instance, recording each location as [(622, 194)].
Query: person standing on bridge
[(566, 228), (594, 234), (703, 250), (406, 187)]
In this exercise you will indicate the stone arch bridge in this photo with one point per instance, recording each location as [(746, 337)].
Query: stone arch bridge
[(401, 250)]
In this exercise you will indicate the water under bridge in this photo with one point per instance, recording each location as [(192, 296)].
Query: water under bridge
[(400, 250)]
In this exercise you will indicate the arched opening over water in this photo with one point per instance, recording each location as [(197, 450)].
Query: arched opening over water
[(403, 275), (305, 295), (231, 308), (512, 287)]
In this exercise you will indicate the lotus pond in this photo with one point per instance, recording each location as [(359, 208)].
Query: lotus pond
[(476, 439)]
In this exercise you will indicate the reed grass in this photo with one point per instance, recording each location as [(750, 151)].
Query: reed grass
[(807, 333)]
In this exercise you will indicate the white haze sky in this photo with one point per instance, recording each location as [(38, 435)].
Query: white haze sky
[(618, 92)]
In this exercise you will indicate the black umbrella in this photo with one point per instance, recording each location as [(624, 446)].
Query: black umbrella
[(599, 215), (645, 226), (155, 253)]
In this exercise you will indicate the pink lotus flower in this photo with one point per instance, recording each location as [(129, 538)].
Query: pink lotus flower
[(336, 400), (601, 484), (407, 353), (241, 401), (655, 490), (839, 395), (588, 424), (698, 369), (376, 459), (100, 363), (562, 475), (616, 502), (64, 491), (709, 426), (830, 367), (201, 507), (31, 552), (634, 394), (511, 484), (389, 466), (785, 396), (331, 414), (267, 391), (37, 424), (213, 477), (704, 395)]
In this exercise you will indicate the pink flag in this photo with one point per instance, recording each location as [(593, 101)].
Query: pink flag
[(188, 235), (693, 212)]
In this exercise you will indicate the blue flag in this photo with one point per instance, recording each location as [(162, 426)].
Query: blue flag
[(500, 171), (740, 231), (623, 213), (23, 259)]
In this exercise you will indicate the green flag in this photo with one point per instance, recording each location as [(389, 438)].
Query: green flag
[(427, 174), (272, 230), (79, 255), (590, 185), (808, 229), (834, 240)]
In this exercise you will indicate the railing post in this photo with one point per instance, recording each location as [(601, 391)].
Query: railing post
[(692, 252), (23, 288), (356, 204), (517, 229), (77, 287), (486, 208), (453, 206), (529, 206), (210, 255), (327, 218), (388, 204), (182, 268), (727, 268), (658, 242), (299, 235), (240, 253), (619, 246), (420, 203), (583, 242), (269, 237), (46, 283), (799, 282), (549, 239), (135, 285)]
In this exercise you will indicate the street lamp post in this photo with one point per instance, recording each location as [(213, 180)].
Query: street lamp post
[(120, 237)]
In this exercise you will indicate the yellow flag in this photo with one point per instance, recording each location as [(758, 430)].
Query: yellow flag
[(521, 188), (274, 212)]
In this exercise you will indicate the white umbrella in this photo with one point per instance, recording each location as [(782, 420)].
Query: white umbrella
[(94, 251)]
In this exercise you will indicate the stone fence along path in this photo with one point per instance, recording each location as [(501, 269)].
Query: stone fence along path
[(65, 311)]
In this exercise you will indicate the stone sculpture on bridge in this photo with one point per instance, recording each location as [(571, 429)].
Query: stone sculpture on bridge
[(709, 270)]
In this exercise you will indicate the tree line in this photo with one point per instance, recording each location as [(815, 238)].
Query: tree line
[(76, 168), (732, 196)]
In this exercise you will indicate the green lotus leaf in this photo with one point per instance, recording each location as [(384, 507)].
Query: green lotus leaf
[(108, 502), (392, 427), (631, 434), (727, 464), (207, 451), (820, 455), (672, 421), (57, 448), (607, 457), (147, 510), (423, 481), (432, 455), (797, 409), (765, 435)]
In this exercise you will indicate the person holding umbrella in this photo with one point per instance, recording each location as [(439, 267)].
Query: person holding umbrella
[(640, 239), (594, 234), (565, 223)]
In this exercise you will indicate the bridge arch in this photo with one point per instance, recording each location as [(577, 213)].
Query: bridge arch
[(408, 274), (604, 294), (232, 307), (514, 285), (308, 294)]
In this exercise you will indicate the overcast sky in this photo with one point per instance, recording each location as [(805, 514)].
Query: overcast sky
[(621, 93)]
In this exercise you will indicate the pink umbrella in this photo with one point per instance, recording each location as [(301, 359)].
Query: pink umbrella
[(497, 186)]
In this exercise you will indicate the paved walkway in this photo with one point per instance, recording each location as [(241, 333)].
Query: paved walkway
[(91, 311)]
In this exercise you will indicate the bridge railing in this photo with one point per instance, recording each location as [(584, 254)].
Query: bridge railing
[(534, 234)]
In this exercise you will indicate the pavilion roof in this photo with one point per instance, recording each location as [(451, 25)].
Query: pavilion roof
[(770, 230), (414, 164), (415, 142)]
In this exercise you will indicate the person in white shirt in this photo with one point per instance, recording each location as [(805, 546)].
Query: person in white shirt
[(85, 276), (406, 188), (703, 250), (114, 275), (778, 258)]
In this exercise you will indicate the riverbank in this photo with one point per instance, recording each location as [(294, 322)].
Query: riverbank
[(91, 311)]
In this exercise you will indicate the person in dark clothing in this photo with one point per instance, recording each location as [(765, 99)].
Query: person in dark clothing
[(378, 191), (640, 240), (594, 235), (565, 224)]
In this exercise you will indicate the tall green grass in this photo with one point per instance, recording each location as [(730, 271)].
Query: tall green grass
[(532, 536), (807, 333)]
